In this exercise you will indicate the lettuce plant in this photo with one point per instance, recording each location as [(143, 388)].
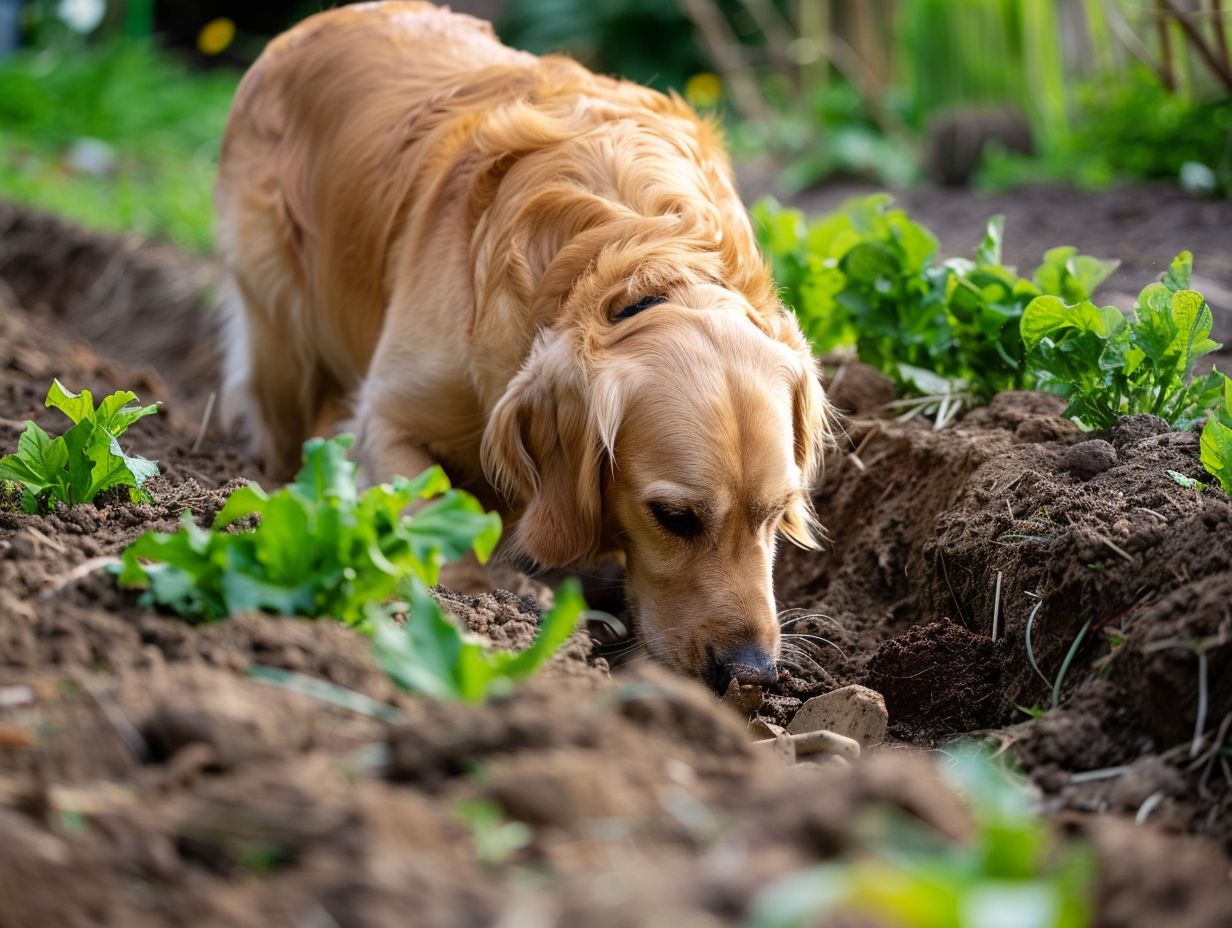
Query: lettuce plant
[(87, 459)]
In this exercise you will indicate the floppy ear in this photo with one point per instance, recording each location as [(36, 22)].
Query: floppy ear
[(812, 426), (542, 450)]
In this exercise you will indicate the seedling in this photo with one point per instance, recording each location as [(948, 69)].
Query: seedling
[(86, 460), (321, 548), (1108, 365), (495, 837)]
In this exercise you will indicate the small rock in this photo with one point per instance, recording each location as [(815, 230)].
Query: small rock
[(761, 730), (745, 698), (855, 711), (1088, 459)]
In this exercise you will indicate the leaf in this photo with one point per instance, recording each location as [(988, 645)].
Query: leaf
[(1050, 317), (432, 655), (1216, 441), (1187, 482), (326, 470), (76, 406), (38, 462), (1179, 273), (555, 628), (989, 250)]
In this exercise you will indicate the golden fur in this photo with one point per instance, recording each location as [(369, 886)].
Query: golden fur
[(432, 232)]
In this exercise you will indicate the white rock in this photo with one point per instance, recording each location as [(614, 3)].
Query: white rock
[(855, 711)]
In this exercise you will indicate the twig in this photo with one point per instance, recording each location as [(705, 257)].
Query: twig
[(81, 570), (1205, 52), (205, 420), (716, 34)]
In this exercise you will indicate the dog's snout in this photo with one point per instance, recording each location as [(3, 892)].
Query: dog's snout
[(750, 664)]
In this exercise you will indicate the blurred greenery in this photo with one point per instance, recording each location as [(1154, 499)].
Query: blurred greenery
[(159, 125), (1013, 870), (1133, 129), (103, 123)]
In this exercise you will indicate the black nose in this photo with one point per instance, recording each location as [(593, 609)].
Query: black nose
[(747, 665)]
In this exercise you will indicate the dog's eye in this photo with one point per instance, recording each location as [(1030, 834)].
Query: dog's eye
[(683, 523), (634, 308)]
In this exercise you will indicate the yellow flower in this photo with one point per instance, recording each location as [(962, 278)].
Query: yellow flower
[(703, 90), (215, 36)]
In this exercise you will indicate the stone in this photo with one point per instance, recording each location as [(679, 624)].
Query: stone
[(856, 712)]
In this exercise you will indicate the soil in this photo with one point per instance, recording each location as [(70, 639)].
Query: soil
[(152, 774)]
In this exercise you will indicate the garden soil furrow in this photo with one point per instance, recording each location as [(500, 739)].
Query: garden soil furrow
[(148, 778)]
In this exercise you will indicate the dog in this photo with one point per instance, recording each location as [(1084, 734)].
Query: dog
[(543, 280)]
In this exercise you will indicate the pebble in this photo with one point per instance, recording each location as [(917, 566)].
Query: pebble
[(856, 712)]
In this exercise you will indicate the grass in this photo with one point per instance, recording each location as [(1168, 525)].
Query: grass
[(159, 121)]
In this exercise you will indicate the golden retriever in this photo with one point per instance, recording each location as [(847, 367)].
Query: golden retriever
[(541, 279)]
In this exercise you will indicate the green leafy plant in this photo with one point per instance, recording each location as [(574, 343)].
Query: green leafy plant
[(321, 547), (1216, 441), (868, 275), (908, 877), (1107, 364), (430, 654), (87, 459)]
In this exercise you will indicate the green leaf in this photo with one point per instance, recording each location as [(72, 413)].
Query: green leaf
[(38, 462), (430, 654), (989, 250), (1179, 273), (1216, 440), (326, 471), (76, 406), (1050, 317)]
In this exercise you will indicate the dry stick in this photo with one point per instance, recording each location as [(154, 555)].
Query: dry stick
[(81, 570), (205, 420), (1130, 40), (716, 34), (774, 27), (1221, 37), (1165, 46), (1198, 41)]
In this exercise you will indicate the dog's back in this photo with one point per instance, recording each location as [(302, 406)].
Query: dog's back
[(311, 187)]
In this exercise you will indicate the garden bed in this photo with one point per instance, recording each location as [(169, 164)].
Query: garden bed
[(147, 777)]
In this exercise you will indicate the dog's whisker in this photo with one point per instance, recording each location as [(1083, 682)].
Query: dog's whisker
[(823, 640)]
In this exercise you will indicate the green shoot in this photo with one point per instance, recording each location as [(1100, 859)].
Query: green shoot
[(87, 459), (430, 654), (321, 548), (496, 838), (1069, 659)]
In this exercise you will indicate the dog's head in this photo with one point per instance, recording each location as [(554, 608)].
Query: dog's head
[(681, 431)]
